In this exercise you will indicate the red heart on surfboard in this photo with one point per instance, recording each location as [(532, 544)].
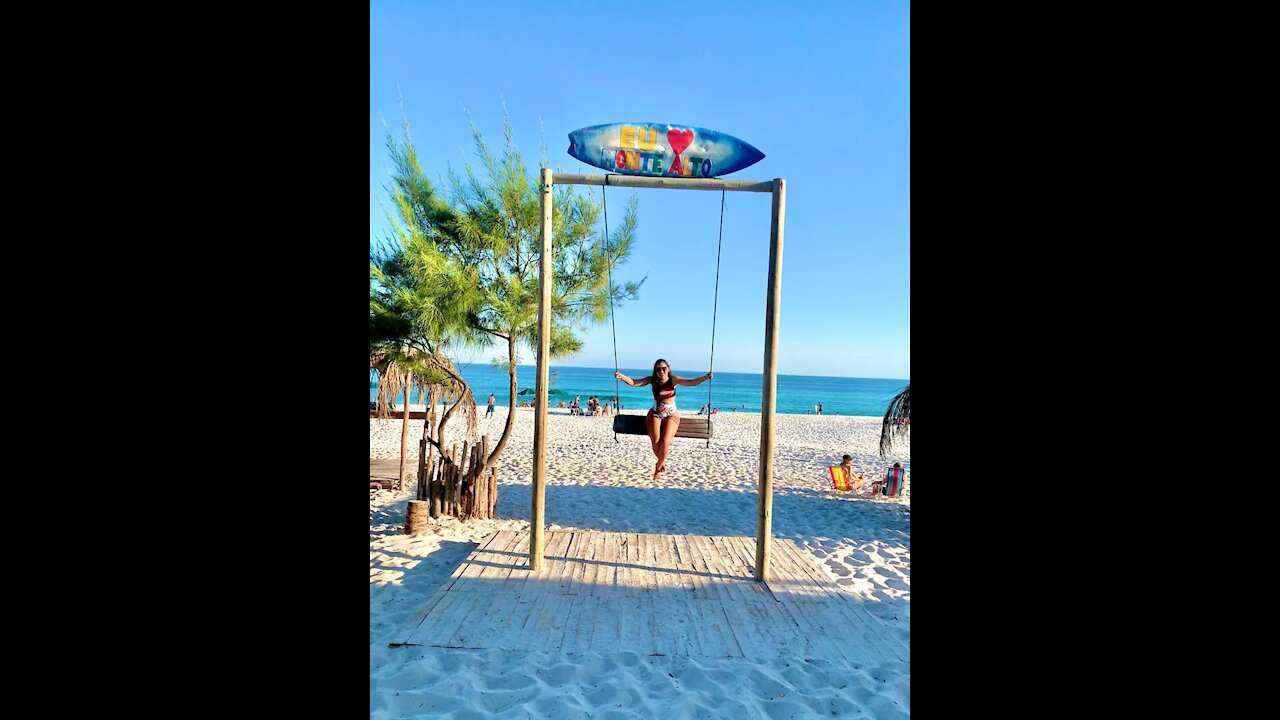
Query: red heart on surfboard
[(679, 140)]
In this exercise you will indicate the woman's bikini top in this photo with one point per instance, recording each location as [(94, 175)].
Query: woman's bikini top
[(662, 394)]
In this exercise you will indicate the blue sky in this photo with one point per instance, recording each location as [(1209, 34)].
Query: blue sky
[(822, 88)]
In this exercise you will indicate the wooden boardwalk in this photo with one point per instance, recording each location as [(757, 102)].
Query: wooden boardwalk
[(651, 594)]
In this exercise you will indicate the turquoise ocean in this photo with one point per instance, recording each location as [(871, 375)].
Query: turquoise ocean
[(797, 394)]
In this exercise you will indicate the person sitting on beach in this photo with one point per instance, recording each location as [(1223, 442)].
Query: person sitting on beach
[(574, 407), (663, 420), (855, 481)]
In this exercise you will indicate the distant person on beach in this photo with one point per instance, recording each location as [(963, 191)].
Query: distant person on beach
[(663, 420), (574, 407), (492, 400), (702, 410), (817, 409)]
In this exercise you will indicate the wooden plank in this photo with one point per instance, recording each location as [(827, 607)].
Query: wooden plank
[(607, 557), (648, 562), (587, 615), (667, 562), (486, 630), (557, 549), (456, 575), (572, 623), (815, 579), (652, 637), (739, 580), (786, 579), (419, 633), (507, 633), (775, 626), (518, 574), (704, 586), (690, 582), (496, 562), (684, 636), (817, 583), (607, 634), (625, 575), (566, 582), (870, 632), (851, 635), (629, 613), (556, 621), (722, 623), (746, 635), (407, 628), (710, 644), (551, 610), (711, 559), (442, 623), (466, 581), (480, 605), (743, 548), (532, 634), (816, 642), (584, 575)]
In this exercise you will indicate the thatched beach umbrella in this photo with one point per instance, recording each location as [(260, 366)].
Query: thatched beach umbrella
[(897, 420)]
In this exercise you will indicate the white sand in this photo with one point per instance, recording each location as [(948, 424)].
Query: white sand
[(594, 483)]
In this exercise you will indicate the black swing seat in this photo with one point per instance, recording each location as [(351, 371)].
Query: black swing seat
[(698, 428)]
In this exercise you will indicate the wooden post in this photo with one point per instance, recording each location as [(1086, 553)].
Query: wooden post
[(538, 499), (772, 306), (404, 433), (420, 492)]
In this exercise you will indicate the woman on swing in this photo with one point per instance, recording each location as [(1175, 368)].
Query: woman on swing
[(663, 420)]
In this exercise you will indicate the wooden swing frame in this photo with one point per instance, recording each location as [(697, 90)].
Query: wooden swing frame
[(772, 307)]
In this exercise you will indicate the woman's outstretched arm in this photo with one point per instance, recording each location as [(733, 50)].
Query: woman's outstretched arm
[(691, 382), (638, 382)]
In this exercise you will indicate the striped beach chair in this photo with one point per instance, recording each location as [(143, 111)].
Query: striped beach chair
[(895, 481), (839, 479)]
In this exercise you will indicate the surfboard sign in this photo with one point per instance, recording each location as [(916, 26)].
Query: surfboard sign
[(661, 150)]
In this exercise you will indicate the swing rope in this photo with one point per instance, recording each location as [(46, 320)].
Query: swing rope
[(604, 200), (715, 303)]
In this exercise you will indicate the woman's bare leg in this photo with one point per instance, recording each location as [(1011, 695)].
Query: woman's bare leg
[(669, 428), (653, 423)]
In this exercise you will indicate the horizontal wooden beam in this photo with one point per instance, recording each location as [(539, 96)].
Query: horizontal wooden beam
[(668, 183)]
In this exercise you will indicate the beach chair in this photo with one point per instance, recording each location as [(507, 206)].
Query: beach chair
[(895, 481), (839, 479)]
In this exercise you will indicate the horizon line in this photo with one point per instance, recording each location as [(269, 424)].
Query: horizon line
[(736, 372)]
